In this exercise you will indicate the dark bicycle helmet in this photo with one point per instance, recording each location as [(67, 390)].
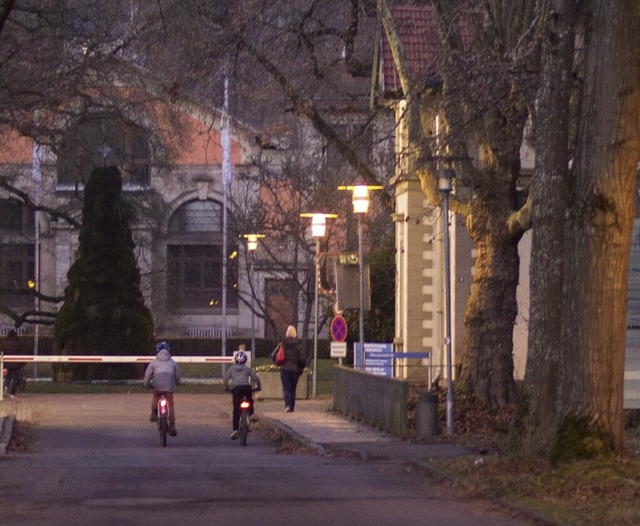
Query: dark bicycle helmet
[(240, 357), (162, 346)]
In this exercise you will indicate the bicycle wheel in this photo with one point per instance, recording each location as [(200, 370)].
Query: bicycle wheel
[(244, 427), (22, 382), (163, 427)]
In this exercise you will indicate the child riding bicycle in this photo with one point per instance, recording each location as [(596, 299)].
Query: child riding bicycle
[(238, 379), (163, 375)]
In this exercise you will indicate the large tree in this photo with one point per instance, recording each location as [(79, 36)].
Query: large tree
[(488, 56), (104, 311), (575, 371)]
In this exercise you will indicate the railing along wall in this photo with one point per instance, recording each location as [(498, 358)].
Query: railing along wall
[(379, 401)]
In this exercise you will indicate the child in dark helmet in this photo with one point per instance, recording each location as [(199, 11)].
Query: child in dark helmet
[(238, 379), (163, 375)]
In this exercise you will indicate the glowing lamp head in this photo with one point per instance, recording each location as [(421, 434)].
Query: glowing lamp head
[(318, 225), (252, 241), (360, 199)]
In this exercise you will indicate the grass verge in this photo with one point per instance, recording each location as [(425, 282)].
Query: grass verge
[(585, 493)]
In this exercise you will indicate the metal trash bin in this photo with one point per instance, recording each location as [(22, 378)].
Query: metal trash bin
[(426, 416)]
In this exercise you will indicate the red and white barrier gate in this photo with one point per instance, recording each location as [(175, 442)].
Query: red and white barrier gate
[(78, 358)]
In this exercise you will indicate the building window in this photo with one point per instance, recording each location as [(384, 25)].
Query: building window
[(17, 262), (15, 217), (104, 140), (197, 216), (195, 259), (17, 271)]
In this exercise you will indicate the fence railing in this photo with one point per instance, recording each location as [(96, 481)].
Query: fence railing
[(196, 332), (377, 400)]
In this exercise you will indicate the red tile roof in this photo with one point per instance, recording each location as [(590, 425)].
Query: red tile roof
[(419, 35)]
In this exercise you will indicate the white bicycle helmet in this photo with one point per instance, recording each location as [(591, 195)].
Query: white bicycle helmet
[(240, 357)]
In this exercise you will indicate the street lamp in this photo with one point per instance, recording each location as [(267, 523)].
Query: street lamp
[(252, 245), (360, 200), (318, 229), (445, 179)]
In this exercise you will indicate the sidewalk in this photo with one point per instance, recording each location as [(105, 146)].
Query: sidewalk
[(314, 424)]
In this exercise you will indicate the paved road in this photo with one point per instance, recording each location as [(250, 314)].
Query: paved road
[(95, 460)]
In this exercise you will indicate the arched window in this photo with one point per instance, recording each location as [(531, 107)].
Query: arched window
[(104, 140), (195, 259), (197, 216)]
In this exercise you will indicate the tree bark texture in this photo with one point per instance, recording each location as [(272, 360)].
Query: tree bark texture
[(598, 236), (487, 362), (549, 189)]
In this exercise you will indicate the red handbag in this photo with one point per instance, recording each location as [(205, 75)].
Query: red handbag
[(279, 355)]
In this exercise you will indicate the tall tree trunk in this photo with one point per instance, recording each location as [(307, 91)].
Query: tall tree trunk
[(598, 236), (536, 421), (487, 362)]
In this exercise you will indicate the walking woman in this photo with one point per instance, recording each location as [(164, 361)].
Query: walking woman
[(291, 369)]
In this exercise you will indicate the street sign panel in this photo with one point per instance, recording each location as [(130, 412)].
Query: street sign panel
[(378, 358), (338, 349)]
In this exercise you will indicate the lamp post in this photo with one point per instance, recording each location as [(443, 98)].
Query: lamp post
[(445, 178), (252, 245), (360, 201), (318, 229)]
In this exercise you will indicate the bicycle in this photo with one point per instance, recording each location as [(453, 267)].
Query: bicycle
[(163, 418), (246, 405)]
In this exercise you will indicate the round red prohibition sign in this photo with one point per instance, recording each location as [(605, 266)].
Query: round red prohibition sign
[(339, 329)]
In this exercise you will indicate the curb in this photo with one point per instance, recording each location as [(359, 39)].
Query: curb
[(6, 432), (286, 430), (319, 449)]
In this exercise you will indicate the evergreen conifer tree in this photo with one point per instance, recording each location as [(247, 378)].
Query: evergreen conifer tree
[(103, 311)]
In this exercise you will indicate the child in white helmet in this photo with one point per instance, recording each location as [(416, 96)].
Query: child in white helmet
[(238, 379)]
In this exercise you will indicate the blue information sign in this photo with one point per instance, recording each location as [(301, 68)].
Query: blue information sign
[(378, 358)]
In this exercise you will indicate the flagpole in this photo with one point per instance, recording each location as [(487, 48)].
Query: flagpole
[(226, 179), (36, 174)]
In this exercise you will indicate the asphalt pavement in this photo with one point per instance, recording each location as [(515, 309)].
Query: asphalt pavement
[(313, 424)]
